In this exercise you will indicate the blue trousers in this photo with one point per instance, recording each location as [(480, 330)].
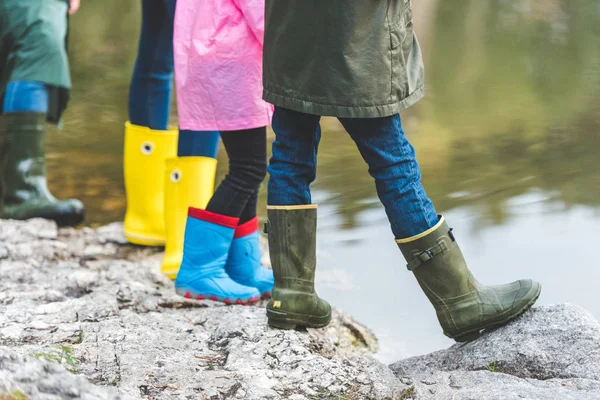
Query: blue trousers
[(150, 88), (382, 144), (24, 96)]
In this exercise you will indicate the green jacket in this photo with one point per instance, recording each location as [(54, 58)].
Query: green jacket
[(343, 58), (33, 36)]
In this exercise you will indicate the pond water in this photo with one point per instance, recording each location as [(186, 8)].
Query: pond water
[(507, 137)]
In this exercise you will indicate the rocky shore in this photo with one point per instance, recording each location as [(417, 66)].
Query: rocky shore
[(83, 315)]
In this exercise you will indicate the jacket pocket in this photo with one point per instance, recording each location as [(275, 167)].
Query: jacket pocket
[(401, 44), (401, 32)]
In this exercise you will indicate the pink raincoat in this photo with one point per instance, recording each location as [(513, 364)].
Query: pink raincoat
[(218, 65)]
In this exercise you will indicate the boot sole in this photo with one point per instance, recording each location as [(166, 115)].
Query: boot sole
[(171, 273), (71, 220), (190, 294), (287, 321), (142, 240), (473, 334), (61, 221)]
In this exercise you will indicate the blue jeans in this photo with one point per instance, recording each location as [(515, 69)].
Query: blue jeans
[(150, 88), (25, 96), (381, 142)]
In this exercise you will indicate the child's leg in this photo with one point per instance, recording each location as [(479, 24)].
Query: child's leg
[(211, 267), (247, 151), (147, 150), (150, 88), (23, 187), (237, 197), (293, 165), (392, 163), (190, 182), (292, 225), (198, 144), (464, 307)]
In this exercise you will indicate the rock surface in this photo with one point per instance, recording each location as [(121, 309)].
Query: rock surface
[(27, 377), (83, 315), (84, 301), (552, 352), (478, 385)]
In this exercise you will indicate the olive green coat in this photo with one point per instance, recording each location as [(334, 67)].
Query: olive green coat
[(33, 36), (343, 58)]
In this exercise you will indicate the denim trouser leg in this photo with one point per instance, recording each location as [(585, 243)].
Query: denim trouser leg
[(381, 142), (293, 165), (25, 96), (150, 88), (198, 144), (393, 165)]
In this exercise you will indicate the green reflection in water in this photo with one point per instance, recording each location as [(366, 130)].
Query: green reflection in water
[(512, 104)]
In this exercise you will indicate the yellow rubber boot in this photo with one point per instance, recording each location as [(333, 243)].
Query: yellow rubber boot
[(146, 151), (189, 182)]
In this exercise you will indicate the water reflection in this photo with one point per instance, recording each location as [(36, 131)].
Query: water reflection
[(507, 139)]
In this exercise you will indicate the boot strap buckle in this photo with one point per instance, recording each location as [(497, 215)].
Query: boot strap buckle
[(427, 255)]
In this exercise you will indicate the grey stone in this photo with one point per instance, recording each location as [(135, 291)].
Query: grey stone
[(112, 233), (552, 352), (560, 341), (121, 323), (38, 379), (477, 385), (101, 309)]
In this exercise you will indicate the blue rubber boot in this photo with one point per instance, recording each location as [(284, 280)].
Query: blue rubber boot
[(202, 275), (243, 265)]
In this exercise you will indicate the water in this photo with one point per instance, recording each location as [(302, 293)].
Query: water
[(507, 139)]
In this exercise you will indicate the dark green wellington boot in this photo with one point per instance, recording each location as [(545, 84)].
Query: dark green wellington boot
[(464, 307), (23, 173), (292, 246)]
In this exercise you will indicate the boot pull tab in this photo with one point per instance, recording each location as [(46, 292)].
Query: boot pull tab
[(266, 228), (451, 234)]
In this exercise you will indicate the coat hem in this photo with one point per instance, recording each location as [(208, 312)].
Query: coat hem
[(237, 125), (343, 111)]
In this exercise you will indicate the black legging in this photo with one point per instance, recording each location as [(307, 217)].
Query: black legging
[(237, 195)]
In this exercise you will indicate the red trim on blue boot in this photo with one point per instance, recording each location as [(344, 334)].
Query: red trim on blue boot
[(247, 228), (229, 301), (213, 218)]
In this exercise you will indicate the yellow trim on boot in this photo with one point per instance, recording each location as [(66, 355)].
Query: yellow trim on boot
[(144, 156), (300, 207), (423, 234), (189, 182)]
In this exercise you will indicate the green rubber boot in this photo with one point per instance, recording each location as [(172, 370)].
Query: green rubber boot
[(464, 307), (292, 246), (23, 173)]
